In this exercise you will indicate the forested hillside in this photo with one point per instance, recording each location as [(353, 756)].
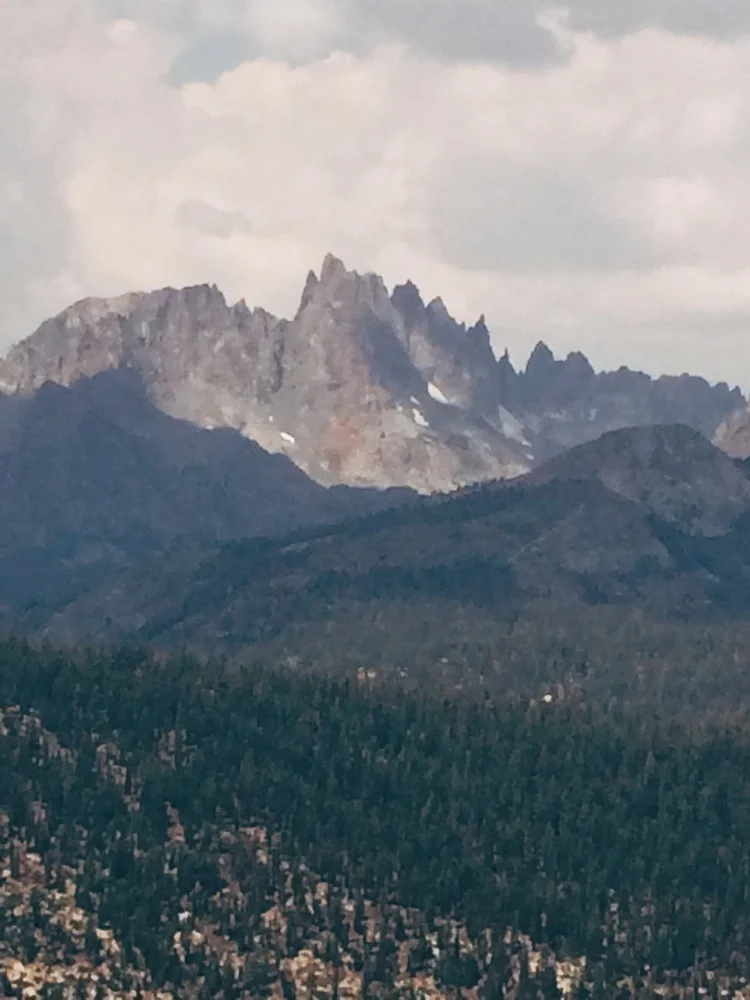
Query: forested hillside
[(212, 830), (650, 522)]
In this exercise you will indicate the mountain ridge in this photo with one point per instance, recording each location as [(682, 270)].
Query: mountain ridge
[(669, 537), (362, 387), (98, 477)]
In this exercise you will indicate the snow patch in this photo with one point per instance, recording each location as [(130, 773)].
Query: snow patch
[(437, 395), (419, 419), (288, 438), (512, 427), (414, 400)]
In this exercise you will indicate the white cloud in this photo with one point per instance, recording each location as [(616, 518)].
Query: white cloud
[(509, 32), (293, 28), (601, 201)]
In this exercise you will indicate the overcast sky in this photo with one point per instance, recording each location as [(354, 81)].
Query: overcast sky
[(579, 174)]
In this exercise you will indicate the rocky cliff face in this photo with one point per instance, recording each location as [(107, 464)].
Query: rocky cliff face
[(362, 387), (733, 435), (344, 389), (563, 402)]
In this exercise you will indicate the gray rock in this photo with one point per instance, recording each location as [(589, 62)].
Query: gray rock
[(343, 389), (733, 436), (360, 387), (563, 403)]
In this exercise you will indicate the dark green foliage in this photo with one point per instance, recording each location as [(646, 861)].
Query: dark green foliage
[(598, 832)]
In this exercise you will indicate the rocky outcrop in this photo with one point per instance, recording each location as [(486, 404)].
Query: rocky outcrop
[(563, 402), (361, 387), (733, 436), (458, 364)]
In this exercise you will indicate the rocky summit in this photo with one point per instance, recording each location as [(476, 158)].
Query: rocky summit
[(362, 387)]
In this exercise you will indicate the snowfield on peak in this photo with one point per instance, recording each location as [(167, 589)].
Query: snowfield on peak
[(437, 394)]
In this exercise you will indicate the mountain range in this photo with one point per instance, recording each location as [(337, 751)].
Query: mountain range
[(361, 387), (174, 469), (195, 495), (655, 519)]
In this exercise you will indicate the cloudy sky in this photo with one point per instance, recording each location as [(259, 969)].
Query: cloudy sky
[(580, 174)]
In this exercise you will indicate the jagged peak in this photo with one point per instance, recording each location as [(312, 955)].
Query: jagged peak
[(505, 363), (205, 291), (265, 315), (311, 284), (540, 356), (331, 269), (578, 362), (479, 332), (93, 308), (408, 300), (438, 309), (336, 283), (245, 315), (409, 288), (334, 270)]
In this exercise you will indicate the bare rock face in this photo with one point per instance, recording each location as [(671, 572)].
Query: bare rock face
[(562, 403), (733, 436), (361, 387), (358, 396), (458, 364), (344, 389), (193, 352)]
